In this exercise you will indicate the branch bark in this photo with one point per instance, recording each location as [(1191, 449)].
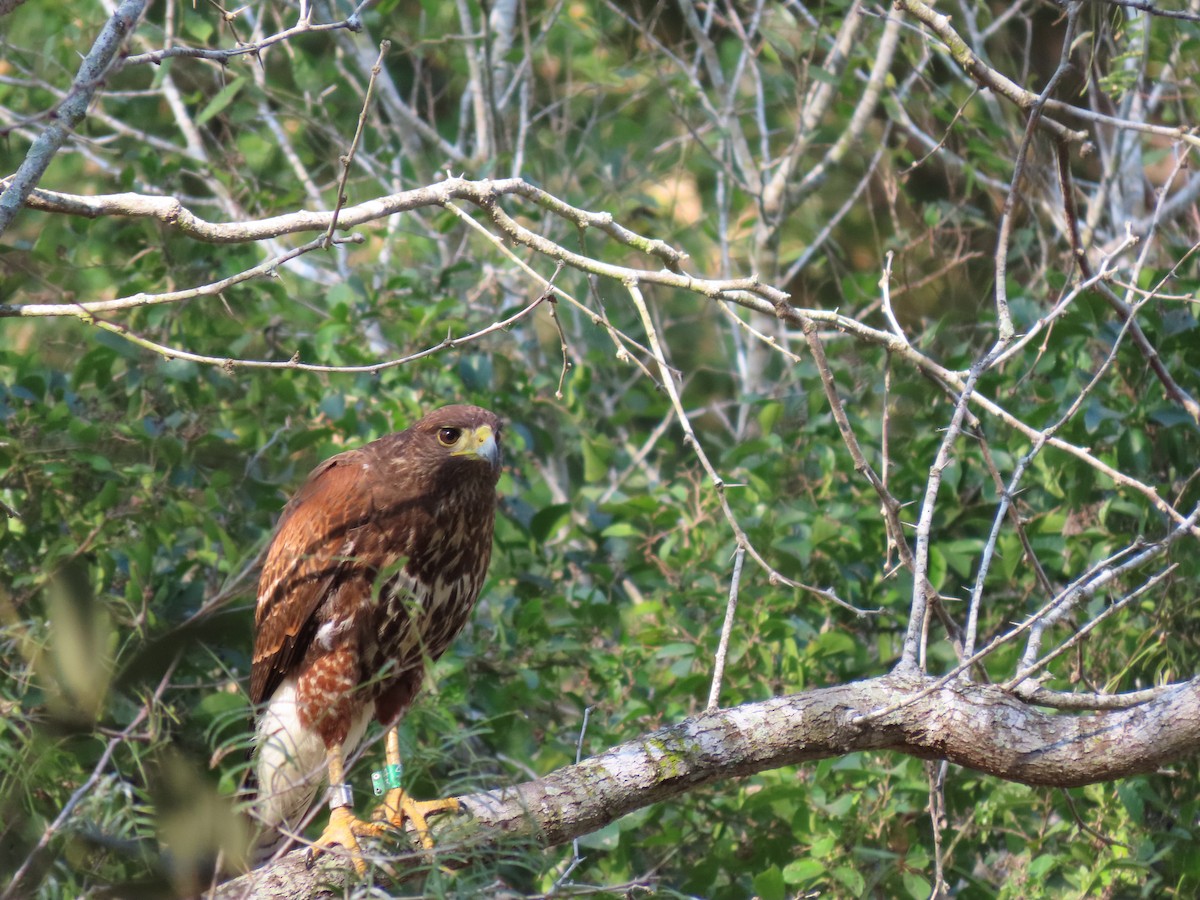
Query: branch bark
[(977, 726), (71, 111)]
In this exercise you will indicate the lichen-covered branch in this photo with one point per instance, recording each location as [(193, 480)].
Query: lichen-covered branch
[(977, 726)]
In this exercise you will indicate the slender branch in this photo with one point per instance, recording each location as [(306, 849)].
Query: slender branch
[(728, 123), (714, 692), (1124, 310), (937, 821), (1081, 589), (1003, 315), (668, 383), (1155, 10), (1085, 700), (71, 111), (1185, 134), (619, 338), (954, 381), (87, 311), (913, 654), (1102, 273), (1036, 666), (889, 505), (252, 48), (989, 549), (981, 72), (348, 159), (229, 363), (860, 119)]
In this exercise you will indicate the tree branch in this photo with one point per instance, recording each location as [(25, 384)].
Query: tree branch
[(71, 111), (983, 74), (977, 726)]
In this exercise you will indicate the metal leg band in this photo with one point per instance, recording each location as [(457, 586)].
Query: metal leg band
[(340, 795)]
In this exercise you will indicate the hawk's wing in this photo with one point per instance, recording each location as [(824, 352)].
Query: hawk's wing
[(309, 552)]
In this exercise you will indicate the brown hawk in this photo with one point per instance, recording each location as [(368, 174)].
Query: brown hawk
[(373, 569)]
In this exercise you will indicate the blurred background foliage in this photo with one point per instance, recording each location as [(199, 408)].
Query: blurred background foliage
[(138, 490)]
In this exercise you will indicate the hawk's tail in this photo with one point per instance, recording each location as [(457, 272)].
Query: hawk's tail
[(288, 771), (290, 767)]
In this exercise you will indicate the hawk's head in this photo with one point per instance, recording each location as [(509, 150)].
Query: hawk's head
[(461, 438)]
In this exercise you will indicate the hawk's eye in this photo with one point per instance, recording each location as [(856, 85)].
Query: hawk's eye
[(448, 437)]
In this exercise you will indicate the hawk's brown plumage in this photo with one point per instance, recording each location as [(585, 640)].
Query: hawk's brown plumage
[(375, 565)]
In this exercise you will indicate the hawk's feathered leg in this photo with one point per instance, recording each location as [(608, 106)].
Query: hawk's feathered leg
[(397, 806)]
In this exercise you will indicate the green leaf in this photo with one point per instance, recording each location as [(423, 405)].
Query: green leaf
[(803, 871), (769, 884), (619, 530), (221, 100), (607, 838), (851, 878), (917, 887), (548, 520)]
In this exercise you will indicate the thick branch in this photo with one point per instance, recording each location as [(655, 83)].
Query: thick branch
[(483, 194), (171, 212), (974, 725)]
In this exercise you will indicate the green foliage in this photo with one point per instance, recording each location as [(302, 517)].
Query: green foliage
[(138, 487)]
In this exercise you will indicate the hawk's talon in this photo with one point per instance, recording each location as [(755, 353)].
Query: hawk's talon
[(344, 830), (398, 807)]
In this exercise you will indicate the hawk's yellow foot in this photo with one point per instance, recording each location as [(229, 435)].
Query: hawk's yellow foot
[(397, 807), (344, 830)]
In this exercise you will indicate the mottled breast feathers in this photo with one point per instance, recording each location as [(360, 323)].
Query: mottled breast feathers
[(417, 507)]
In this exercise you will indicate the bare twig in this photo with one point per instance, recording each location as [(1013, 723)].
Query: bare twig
[(982, 73), (913, 654), (989, 548), (668, 383), (71, 111), (936, 773), (348, 158), (1028, 671), (1004, 322), (230, 363), (552, 306), (252, 48), (1079, 590), (714, 691)]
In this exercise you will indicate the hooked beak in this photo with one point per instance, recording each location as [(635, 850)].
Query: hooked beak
[(482, 443)]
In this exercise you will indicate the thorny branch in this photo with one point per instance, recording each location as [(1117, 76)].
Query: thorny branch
[(1085, 587), (71, 111), (348, 158)]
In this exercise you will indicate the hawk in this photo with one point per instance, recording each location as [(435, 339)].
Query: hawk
[(372, 571)]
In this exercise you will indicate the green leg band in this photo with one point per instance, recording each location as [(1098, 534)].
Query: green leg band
[(386, 779)]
